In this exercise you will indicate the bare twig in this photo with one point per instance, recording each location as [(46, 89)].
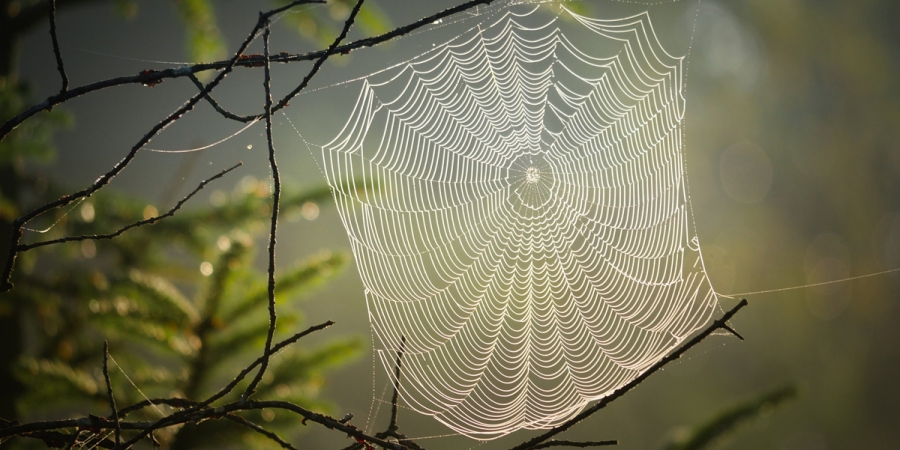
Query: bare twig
[(251, 61), (275, 349), (25, 247), (174, 402), (273, 231), (718, 324), (59, 61), (109, 393), (261, 430), (276, 176), (328, 422)]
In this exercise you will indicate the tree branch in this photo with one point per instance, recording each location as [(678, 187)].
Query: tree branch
[(25, 247), (321, 59), (224, 112), (153, 77), (194, 416), (393, 428), (533, 443), (273, 231)]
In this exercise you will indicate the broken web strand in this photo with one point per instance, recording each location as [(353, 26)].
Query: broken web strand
[(471, 172)]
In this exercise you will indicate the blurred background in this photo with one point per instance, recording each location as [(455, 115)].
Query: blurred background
[(793, 152)]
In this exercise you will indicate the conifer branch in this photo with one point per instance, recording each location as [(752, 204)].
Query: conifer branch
[(176, 418)]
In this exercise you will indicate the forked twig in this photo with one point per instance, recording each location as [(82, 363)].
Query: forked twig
[(321, 59), (276, 176), (224, 112)]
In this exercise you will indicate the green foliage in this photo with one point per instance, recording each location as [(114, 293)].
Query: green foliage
[(31, 139), (729, 421), (173, 329), (204, 40), (322, 24), (126, 8)]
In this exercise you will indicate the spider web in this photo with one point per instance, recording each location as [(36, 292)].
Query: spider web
[(525, 226)]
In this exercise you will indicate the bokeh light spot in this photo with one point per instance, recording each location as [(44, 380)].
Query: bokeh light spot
[(87, 212), (310, 211)]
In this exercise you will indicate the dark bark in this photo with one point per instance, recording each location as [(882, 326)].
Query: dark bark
[(10, 310), (11, 343)]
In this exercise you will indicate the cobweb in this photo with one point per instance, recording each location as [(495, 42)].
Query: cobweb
[(525, 225)]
